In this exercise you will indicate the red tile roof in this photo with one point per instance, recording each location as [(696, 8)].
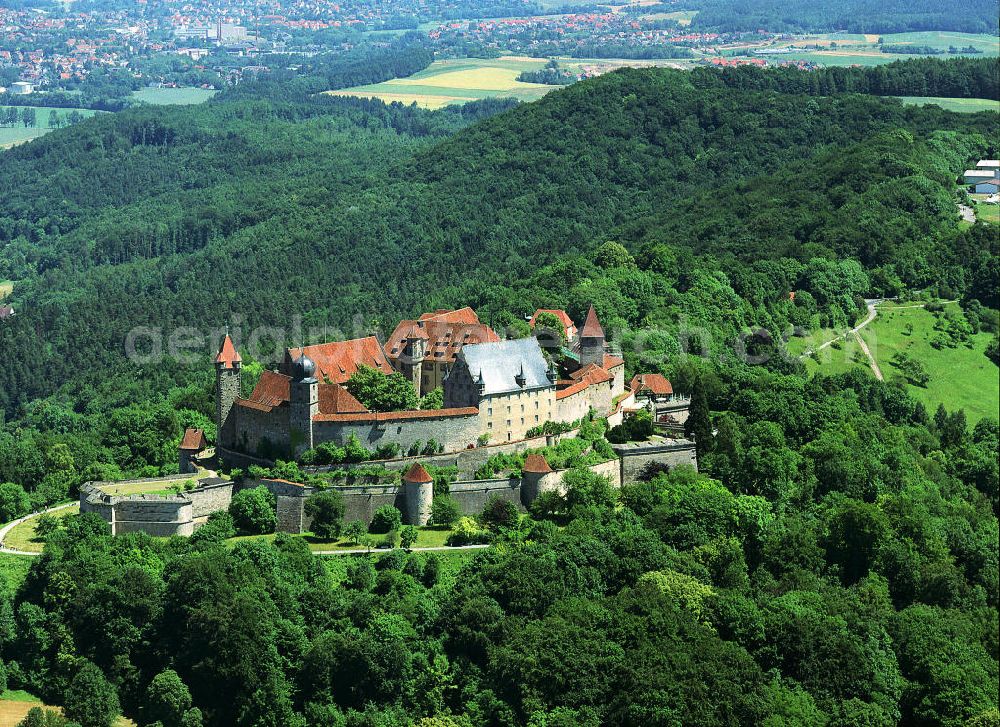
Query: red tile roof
[(194, 440), (338, 361), (272, 389), (396, 416), (445, 332), (463, 315), (417, 473), (612, 362), (653, 383), (592, 374), (536, 464), (335, 399), (228, 355), (592, 327)]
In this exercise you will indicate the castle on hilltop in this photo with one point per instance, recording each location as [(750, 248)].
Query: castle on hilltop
[(495, 390)]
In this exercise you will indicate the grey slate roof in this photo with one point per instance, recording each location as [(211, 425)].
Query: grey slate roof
[(500, 363)]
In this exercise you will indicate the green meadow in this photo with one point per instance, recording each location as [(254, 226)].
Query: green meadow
[(18, 134), (960, 377), (961, 105), (173, 96)]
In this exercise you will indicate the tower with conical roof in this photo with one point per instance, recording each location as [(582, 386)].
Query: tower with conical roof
[(592, 340), (418, 492), (228, 367)]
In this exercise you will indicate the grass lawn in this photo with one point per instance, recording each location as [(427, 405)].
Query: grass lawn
[(6, 286), (838, 358), (451, 563), (10, 136), (429, 537), (960, 377), (23, 537), (988, 213), (173, 96), (961, 105), (798, 345)]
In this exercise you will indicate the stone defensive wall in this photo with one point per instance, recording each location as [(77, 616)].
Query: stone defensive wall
[(160, 515), (167, 515), (453, 429), (635, 457), (466, 460)]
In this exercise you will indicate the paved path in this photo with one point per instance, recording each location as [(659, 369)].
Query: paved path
[(871, 304), (872, 312), (11, 525), (968, 214)]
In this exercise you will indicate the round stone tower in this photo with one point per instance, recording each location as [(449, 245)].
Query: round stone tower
[(418, 492), (534, 471)]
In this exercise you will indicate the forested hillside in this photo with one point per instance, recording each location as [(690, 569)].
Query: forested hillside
[(853, 16), (834, 562)]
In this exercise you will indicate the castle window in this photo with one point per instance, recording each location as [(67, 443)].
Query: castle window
[(489, 425), (536, 417)]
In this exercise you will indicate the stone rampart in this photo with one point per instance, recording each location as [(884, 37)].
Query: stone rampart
[(636, 457)]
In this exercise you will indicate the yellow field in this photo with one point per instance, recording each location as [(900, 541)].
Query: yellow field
[(477, 79), (6, 286), (12, 711)]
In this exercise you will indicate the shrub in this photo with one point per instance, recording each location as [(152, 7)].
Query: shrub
[(467, 532), (387, 451), (393, 560), (408, 536), (444, 511), (326, 509), (386, 518), (432, 569), (361, 574), (355, 531), (45, 525), (91, 699), (499, 513), (217, 528), (391, 540), (253, 511), (414, 449)]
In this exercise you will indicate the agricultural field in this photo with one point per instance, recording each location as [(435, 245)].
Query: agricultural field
[(6, 286), (15, 705), (987, 212), (457, 81), (960, 377), (173, 96), (961, 105), (846, 49), (18, 134), (460, 80)]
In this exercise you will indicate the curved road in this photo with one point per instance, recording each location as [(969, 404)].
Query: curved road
[(14, 523), (356, 551), (872, 313)]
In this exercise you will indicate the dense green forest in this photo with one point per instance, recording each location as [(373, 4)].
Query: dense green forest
[(833, 563), (854, 16)]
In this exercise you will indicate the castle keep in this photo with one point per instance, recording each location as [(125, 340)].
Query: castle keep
[(494, 390)]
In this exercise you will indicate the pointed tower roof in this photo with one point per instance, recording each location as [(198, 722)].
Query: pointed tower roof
[(592, 327), (417, 473), (228, 355), (536, 464)]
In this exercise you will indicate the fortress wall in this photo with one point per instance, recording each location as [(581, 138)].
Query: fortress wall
[(636, 456), (253, 427), (451, 432), (210, 498), (473, 495)]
